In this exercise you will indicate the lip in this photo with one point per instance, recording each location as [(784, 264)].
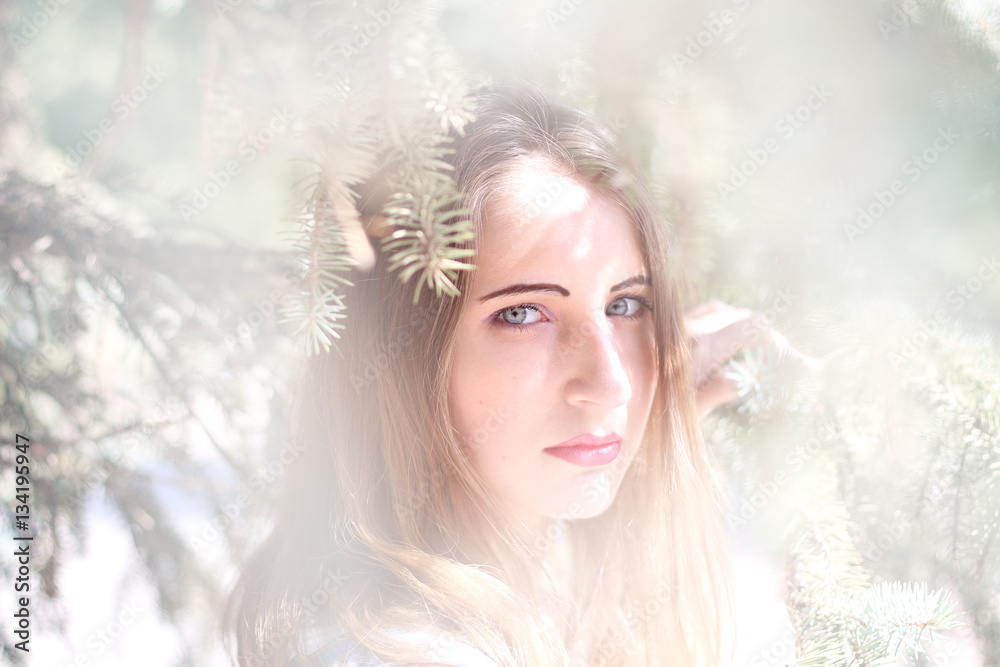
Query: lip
[(588, 450)]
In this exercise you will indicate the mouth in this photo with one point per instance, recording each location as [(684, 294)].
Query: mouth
[(588, 450)]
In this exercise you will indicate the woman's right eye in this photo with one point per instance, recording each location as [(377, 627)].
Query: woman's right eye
[(517, 316)]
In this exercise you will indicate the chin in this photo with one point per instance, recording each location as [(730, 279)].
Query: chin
[(591, 497)]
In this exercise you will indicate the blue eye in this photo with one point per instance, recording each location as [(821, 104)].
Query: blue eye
[(517, 315), (627, 306)]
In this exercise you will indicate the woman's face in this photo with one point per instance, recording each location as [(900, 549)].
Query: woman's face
[(556, 344)]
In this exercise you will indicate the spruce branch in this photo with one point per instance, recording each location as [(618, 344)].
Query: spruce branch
[(415, 152), (318, 308), (429, 231), (841, 620), (450, 101), (896, 615), (768, 380)]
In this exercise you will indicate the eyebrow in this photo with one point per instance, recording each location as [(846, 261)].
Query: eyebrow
[(522, 288)]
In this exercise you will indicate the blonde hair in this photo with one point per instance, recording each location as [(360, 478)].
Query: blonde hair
[(384, 497)]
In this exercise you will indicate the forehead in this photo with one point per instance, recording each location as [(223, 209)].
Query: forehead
[(543, 222)]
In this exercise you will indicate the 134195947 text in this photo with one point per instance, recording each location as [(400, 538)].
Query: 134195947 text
[(22, 541)]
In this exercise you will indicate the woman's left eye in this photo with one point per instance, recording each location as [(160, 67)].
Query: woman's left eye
[(627, 306)]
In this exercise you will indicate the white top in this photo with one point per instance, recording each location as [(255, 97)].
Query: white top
[(338, 650)]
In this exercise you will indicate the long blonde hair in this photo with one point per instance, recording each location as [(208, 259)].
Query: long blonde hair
[(384, 501)]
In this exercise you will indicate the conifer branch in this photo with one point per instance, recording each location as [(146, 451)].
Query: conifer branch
[(318, 308), (843, 621), (428, 237)]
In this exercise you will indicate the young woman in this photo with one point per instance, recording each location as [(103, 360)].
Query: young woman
[(514, 476)]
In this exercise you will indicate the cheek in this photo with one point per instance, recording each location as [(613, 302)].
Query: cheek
[(462, 396), (493, 395), (477, 395), (641, 368), (641, 362)]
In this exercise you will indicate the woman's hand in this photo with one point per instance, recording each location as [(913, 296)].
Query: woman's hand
[(718, 332)]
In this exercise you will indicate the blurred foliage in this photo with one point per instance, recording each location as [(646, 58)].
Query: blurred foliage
[(834, 165), (888, 473)]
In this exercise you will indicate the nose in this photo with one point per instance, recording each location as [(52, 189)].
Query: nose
[(596, 373)]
